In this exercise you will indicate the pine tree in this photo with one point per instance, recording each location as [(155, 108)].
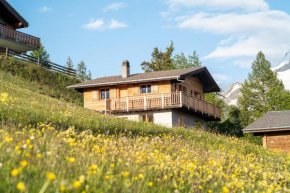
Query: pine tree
[(81, 71), (181, 61), (89, 76), (193, 61), (261, 92), (160, 60), (69, 63), (41, 53)]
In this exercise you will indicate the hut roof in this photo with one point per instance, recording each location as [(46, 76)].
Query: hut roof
[(271, 121)]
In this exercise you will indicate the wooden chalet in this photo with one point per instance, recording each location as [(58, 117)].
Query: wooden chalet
[(10, 21), (274, 126), (15, 43), (170, 98)]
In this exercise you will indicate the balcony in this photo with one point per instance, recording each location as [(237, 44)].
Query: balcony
[(158, 101), (17, 41)]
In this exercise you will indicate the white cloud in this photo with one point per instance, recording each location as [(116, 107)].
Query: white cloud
[(45, 9), (114, 6), (114, 24), (248, 5), (99, 24), (219, 78), (246, 27), (249, 32), (246, 63)]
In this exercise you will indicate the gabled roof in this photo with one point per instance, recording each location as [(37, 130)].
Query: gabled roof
[(13, 13), (201, 72), (271, 121)]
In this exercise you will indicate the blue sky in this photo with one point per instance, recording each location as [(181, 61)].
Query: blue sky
[(227, 34)]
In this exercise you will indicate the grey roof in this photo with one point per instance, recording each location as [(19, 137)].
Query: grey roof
[(271, 121), (201, 72)]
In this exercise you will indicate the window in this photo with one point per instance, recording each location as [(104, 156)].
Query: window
[(147, 118), (105, 94), (146, 89)]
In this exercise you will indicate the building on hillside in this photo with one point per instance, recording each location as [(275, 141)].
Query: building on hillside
[(170, 98), (10, 21), (16, 44), (274, 126)]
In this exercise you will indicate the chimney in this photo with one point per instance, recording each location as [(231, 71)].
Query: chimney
[(125, 69)]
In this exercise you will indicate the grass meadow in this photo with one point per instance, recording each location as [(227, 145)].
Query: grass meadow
[(52, 145)]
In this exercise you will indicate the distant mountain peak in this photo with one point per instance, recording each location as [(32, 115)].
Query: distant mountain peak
[(232, 94)]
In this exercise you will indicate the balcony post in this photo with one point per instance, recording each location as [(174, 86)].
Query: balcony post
[(162, 100), (7, 51), (145, 102), (105, 107), (181, 99), (127, 101)]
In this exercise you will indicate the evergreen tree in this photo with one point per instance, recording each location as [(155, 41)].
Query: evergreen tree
[(261, 92), (89, 75), (160, 60), (193, 61), (41, 53), (69, 63), (82, 71), (181, 61)]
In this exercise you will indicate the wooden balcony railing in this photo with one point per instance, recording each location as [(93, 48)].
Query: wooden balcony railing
[(19, 37), (156, 101)]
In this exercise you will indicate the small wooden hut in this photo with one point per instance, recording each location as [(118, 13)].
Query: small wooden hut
[(274, 126)]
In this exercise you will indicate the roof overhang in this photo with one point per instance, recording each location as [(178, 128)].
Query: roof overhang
[(266, 130), (209, 84), (20, 22), (121, 82)]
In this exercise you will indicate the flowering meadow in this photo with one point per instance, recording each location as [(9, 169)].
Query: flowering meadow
[(49, 145)]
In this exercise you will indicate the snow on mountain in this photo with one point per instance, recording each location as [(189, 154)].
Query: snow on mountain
[(283, 71), (285, 77), (232, 94)]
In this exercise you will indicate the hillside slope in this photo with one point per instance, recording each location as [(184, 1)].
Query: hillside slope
[(41, 80), (50, 145)]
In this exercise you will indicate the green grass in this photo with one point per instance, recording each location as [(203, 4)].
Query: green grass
[(108, 154), (41, 80)]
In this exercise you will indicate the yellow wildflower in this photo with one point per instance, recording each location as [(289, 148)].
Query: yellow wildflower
[(125, 174), (150, 184), (62, 188), (140, 175), (225, 190), (71, 159), (23, 163), (20, 186), (14, 172), (51, 176), (76, 184)]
